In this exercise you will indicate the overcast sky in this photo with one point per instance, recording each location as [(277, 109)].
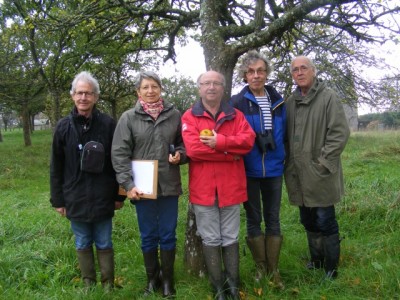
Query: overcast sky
[(190, 63)]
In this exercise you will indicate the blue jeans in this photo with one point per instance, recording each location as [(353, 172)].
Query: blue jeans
[(270, 198), (97, 232), (319, 219), (157, 223)]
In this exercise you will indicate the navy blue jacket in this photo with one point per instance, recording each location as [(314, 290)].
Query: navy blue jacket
[(258, 164)]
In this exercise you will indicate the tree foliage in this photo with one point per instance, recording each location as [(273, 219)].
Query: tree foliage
[(21, 89), (389, 119), (285, 28), (181, 91)]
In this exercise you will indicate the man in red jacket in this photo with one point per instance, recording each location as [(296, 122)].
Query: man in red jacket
[(217, 180)]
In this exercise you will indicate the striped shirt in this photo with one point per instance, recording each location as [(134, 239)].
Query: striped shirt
[(265, 104)]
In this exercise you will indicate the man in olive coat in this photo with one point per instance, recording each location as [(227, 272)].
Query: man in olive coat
[(317, 132)]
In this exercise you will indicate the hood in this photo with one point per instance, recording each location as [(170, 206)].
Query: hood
[(315, 89)]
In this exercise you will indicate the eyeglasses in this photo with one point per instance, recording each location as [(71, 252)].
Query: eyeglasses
[(301, 68), (81, 94), (209, 83), (252, 72)]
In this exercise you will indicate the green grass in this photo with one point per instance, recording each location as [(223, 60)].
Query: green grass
[(37, 256)]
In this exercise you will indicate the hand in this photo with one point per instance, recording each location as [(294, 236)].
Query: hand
[(210, 141), (134, 194), (118, 205), (62, 211), (175, 159)]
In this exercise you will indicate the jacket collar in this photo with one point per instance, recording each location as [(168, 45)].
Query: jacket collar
[(199, 110), (248, 94), (227, 112), (82, 119), (317, 86)]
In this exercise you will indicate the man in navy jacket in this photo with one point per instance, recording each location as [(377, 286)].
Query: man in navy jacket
[(265, 111)]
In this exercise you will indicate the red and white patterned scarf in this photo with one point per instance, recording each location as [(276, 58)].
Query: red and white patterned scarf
[(153, 109)]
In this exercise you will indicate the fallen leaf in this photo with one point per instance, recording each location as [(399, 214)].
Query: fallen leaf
[(357, 281), (258, 291), (295, 291)]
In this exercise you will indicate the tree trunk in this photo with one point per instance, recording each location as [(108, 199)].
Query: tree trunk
[(1, 136), (26, 125), (32, 123), (193, 256), (55, 95)]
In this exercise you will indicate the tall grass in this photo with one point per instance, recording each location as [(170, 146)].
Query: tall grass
[(37, 256)]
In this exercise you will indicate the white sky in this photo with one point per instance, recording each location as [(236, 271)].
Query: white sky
[(189, 62)]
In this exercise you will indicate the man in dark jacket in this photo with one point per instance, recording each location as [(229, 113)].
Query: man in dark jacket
[(86, 196), (317, 135), (265, 111)]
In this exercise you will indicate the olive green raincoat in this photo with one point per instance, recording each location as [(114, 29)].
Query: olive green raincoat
[(317, 132)]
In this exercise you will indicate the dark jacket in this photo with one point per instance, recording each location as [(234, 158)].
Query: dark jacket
[(138, 136), (257, 163), (87, 197), (317, 135)]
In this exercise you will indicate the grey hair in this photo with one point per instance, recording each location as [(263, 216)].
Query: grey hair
[(146, 75), (88, 78), (250, 58), (220, 75), (309, 61)]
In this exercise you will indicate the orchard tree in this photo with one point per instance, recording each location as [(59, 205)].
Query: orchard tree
[(51, 46), (229, 28), (117, 92), (181, 91), (21, 86), (64, 38), (389, 93)]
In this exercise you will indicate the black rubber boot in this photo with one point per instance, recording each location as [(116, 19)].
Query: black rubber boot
[(106, 264), (257, 249), (316, 250), (332, 254), (152, 267), (167, 273), (230, 256), (87, 266), (212, 257)]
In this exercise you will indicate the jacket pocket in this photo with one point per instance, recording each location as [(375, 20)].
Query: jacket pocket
[(319, 183)]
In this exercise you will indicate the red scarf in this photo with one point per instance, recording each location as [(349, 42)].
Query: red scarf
[(153, 109)]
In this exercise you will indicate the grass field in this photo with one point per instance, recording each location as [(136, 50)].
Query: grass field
[(37, 255)]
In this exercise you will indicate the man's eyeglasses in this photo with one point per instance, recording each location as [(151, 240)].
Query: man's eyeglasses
[(209, 83), (81, 94), (301, 68), (252, 72)]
